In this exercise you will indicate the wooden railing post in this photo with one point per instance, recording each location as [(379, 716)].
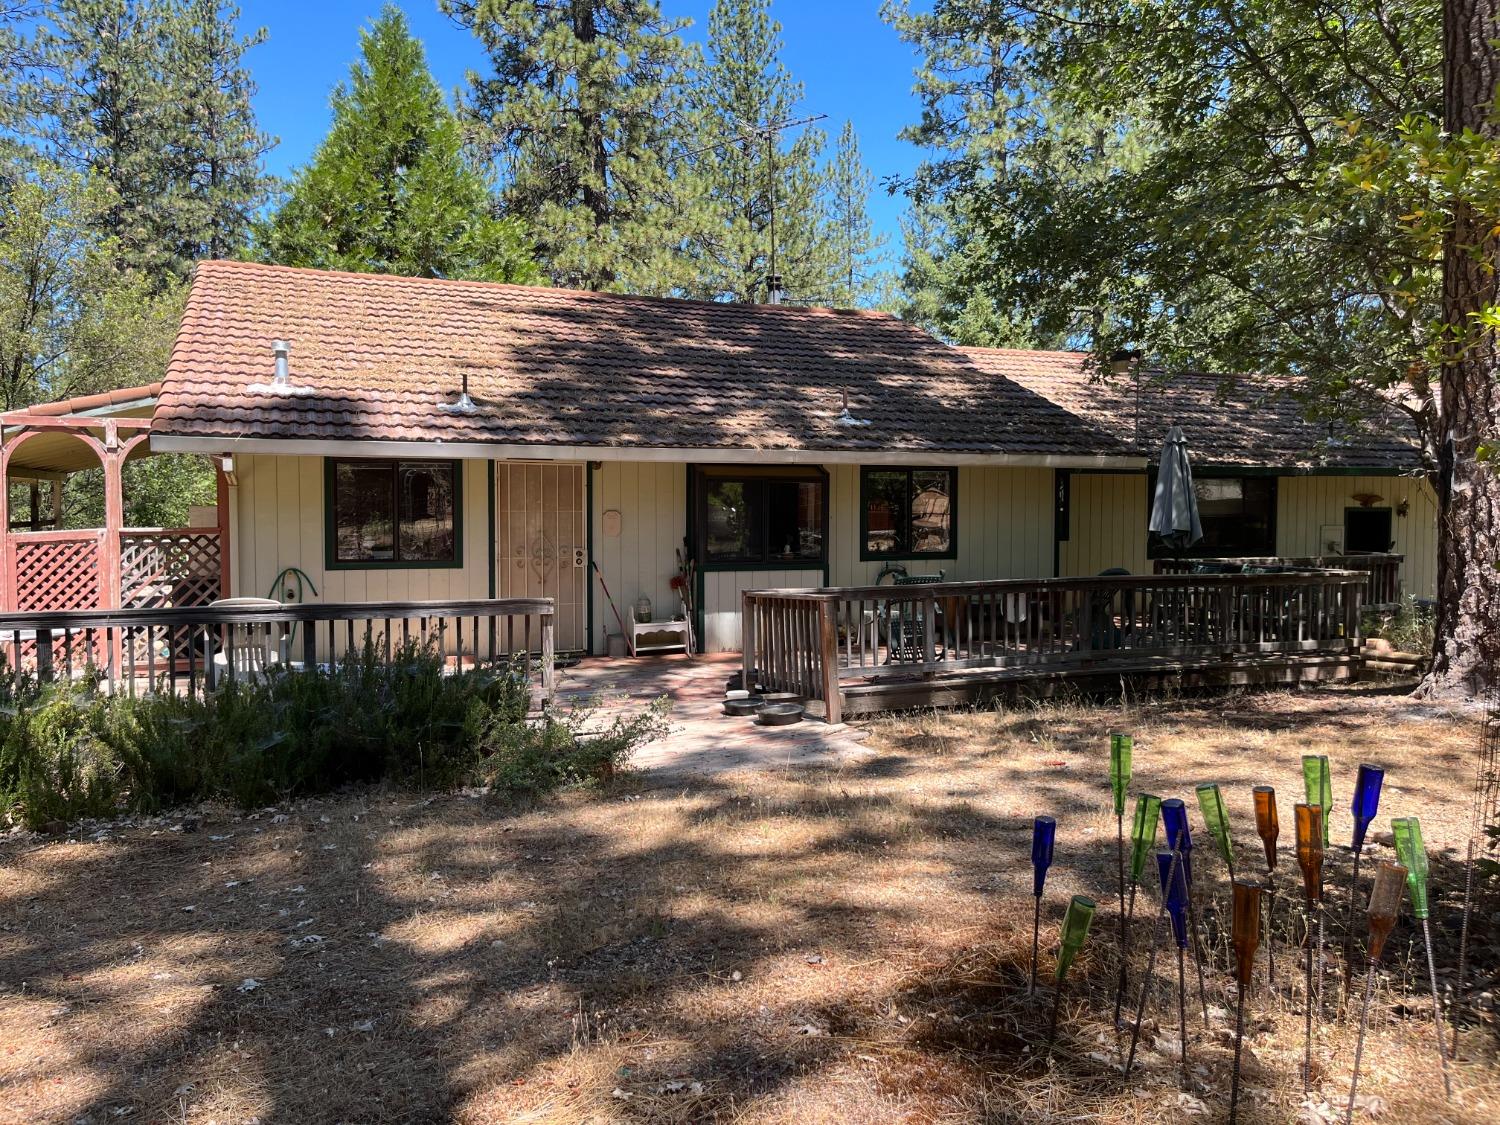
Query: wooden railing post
[(833, 699), (747, 641)]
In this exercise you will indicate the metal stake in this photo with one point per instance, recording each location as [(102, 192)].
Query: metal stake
[(1124, 921), (1182, 1011), (1140, 1011), (1359, 1044), (1036, 927), (1307, 1005), (1239, 1039), (1437, 1009), (1197, 946), (1349, 927)]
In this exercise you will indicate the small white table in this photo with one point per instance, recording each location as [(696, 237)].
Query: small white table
[(681, 633)]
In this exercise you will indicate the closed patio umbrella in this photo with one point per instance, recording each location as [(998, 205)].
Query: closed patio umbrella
[(1174, 511)]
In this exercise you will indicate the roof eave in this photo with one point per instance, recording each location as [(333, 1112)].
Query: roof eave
[(501, 451)]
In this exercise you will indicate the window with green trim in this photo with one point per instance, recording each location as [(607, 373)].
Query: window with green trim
[(392, 514), (908, 513)]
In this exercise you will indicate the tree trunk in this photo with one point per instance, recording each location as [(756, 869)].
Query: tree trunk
[(1468, 620)]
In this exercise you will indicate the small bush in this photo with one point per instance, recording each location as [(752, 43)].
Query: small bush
[(1409, 627), (70, 751)]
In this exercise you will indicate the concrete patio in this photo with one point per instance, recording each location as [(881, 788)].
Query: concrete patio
[(703, 740)]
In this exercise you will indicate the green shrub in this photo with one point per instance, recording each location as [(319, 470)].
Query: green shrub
[(1409, 627), (69, 751)]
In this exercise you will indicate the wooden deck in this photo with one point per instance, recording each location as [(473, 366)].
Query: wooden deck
[(856, 650)]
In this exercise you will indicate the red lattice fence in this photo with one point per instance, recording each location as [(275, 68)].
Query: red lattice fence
[(56, 570), (169, 568)]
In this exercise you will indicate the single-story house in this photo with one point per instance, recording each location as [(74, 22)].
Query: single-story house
[(432, 439)]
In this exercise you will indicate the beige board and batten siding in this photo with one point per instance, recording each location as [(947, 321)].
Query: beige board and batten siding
[(279, 523), (637, 552), (1106, 525), (1004, 527), (722, 600), (1305, 505)]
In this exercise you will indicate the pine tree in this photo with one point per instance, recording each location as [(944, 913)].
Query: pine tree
[(219, 182), (581, 114), (741, 166), (390, 189), (152, 99), (855, 245)]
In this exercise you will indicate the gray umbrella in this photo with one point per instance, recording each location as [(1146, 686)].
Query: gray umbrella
[(1174, 512)]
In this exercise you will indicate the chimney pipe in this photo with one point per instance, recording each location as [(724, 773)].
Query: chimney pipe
[(775, 294), (282, 351)]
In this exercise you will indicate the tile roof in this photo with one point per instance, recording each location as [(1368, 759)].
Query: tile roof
[(1242, 423), (380, 355)]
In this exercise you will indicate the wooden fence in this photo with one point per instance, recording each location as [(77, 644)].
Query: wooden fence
[(815, 642), (1384, 570), (193, 649)]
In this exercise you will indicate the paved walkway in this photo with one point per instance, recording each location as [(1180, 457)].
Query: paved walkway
[(703, 739)]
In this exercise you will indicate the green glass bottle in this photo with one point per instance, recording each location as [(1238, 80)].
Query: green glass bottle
[(1121, 748), (1211, 804), (1143, 832), (1318, 786), (1413, 856), (1075, 928)]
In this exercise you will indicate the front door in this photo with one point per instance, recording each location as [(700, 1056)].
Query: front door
[(541, 542)]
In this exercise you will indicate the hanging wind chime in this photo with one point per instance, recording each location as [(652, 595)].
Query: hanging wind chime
[(1043, 835), (1413, 856), (1245, 936), (1310, 860), (1268, 827), (1364, 807), (1385, 903)]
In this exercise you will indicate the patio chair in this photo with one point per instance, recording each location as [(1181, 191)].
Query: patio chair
[(906, 628), (253, 650)]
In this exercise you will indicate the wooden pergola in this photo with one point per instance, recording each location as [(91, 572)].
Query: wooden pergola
[(43, 567)]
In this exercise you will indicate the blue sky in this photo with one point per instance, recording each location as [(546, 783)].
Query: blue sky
[(852, 65)]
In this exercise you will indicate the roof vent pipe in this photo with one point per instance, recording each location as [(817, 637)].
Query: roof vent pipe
[(465, 404), (283, 353)]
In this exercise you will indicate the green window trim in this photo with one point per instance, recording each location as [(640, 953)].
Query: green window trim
[(331, 561), (703, 477), (867, 555)]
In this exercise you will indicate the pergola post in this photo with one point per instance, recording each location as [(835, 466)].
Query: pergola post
[(221, 481), (7, 583), (113, 456)]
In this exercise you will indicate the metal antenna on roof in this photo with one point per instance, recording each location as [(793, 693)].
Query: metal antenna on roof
[(766, 131)]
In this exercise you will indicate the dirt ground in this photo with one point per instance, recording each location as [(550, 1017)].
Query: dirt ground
[(842, 944)]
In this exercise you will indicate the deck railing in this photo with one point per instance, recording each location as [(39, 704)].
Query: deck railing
[(194, 649), (1384, 570), (814, 641)]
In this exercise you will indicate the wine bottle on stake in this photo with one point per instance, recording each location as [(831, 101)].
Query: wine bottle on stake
[(1211, 805), (1180, 837), (1043, 835), (1268, 827), (1318, 786), (1245, 935), (1310, 860), (1075, 929), (1385, 904), (1365, 805), (1413, 856), (1121, 751)]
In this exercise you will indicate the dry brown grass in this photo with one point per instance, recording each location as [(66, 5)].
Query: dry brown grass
[(820, 946)]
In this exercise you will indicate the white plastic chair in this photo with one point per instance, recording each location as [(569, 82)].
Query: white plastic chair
[(256, 648)]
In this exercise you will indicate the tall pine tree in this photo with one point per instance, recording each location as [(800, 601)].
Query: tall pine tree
[(151, 98), (851, 236), (742, 166), (391, 189), (580, 112)]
